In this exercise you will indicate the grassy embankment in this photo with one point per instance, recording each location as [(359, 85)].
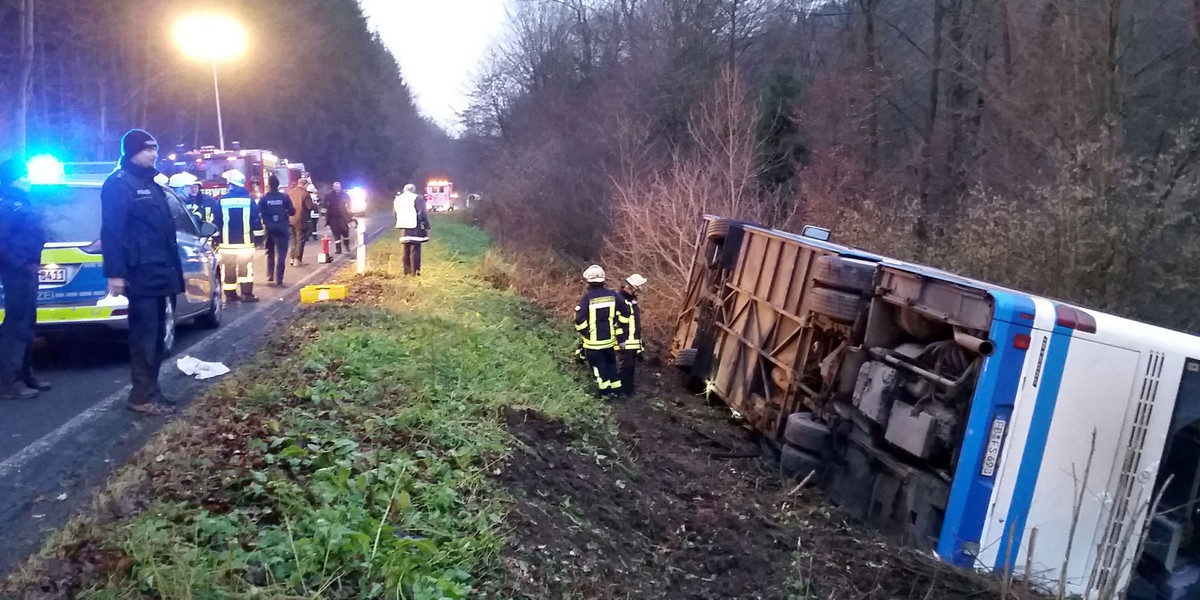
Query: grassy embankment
[(351, 459)]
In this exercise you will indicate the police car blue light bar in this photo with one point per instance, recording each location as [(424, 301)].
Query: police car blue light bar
[(45, 169)]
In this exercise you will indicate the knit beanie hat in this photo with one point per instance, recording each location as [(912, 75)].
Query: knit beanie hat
[(12, 170), (136, 140)]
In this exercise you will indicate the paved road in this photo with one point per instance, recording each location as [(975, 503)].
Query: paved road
[(69, 441)]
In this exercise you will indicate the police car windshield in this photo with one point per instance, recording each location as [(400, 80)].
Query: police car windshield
[(71, 214)]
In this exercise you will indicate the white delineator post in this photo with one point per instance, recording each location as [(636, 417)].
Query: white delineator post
[(362, 245)]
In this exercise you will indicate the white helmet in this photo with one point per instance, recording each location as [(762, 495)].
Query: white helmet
[(161, 180), (593, 274), (234, 177), (635, 280), (410, 188), (182, 180)]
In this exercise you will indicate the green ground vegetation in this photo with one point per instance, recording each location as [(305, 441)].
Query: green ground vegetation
[(352, 458)]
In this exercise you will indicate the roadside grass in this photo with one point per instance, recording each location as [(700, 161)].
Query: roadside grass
[(351, 458)]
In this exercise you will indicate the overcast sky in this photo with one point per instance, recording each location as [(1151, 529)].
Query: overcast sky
[(439, 45)]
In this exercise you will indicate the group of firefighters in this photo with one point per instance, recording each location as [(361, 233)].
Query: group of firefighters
[(277, 221), (609, 323)]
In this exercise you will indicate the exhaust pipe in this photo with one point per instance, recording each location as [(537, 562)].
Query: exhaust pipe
[(979, 346)]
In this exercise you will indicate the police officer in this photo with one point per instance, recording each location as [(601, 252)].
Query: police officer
[(598, 320), (22, 235), (242, 231), (141, 262), (277, 210), (629, 342)]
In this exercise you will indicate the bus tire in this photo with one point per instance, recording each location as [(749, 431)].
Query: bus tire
[(797, 463), (845, 274), (686, 358), (807, 434), (718, 229), (838, 305)]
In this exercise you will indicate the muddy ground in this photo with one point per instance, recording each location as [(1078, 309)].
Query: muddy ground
[(690, 512)]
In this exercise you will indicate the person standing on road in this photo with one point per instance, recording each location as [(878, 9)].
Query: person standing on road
[(188, 187), (315, 216), (414, 227), (337, 216), (629, 342), (242, 232), (141, 262), (597, 319), (22, 236), (298, 223), (277, 211)]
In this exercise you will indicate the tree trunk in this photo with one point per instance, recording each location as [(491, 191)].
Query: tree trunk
[(24, 77), (873, 74), (935, 87)]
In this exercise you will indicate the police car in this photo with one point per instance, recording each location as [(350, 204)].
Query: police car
[(73, 292)]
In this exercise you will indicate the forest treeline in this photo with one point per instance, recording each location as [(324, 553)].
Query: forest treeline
[(1049, 145), (314, 85)]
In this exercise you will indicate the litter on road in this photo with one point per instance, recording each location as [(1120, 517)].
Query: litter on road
[(194, 367)]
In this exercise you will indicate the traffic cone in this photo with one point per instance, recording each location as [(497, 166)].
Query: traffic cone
[(324, 256)]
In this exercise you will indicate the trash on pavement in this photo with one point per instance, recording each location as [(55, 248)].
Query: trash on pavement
[(199, 369)]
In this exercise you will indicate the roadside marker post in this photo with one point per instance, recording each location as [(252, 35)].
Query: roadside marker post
[(362, 246)]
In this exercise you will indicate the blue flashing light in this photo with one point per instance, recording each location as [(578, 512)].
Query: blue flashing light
[(45, 169)]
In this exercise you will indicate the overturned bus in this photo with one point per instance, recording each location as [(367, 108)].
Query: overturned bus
[(999, 429)]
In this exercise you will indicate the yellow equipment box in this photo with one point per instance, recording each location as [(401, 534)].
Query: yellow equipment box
[(320, 293)]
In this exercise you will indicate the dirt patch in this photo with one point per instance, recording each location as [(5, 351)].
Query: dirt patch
[(681, 511)]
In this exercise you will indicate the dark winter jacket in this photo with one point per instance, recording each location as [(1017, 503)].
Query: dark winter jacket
[(276, 208), (598, 317), (337, 208), (22, 233), (137, 233)]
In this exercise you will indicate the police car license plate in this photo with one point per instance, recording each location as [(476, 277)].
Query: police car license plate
[(52, 275)]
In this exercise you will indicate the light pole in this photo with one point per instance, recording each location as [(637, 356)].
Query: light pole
[(191, 35)]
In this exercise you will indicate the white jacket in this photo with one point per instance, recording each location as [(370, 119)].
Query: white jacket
[(405, 206)]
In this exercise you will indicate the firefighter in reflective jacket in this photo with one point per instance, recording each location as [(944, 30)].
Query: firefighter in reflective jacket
[(598, 320), (242, 230), (629, 341)]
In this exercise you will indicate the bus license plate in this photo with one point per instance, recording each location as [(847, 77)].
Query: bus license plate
[(52, 275), (991, 456)]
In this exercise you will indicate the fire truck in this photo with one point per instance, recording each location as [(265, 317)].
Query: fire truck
[(439, 195), (208, 163)]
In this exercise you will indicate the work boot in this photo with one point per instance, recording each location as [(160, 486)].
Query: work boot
[(152, 408), (38, 384), (231, 297), (17, 391), (249, 298)]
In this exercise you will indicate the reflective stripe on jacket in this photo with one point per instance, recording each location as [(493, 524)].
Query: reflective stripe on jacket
[(631, 324), (598, 317)]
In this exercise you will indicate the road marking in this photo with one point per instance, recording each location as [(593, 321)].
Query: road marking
[(18, 461)]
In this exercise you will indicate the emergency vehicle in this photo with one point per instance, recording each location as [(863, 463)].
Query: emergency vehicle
[(439, 195), (208, 163)]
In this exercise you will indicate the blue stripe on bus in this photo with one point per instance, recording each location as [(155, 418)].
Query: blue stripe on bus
[(1035, 448), (995, 394)]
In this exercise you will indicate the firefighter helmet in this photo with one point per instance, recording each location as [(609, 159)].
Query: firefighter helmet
[(593, 274), (635, 280), (182, 180), (161, 180), (234, 177)]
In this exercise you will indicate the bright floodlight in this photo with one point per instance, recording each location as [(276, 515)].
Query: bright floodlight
[(194, 34)]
